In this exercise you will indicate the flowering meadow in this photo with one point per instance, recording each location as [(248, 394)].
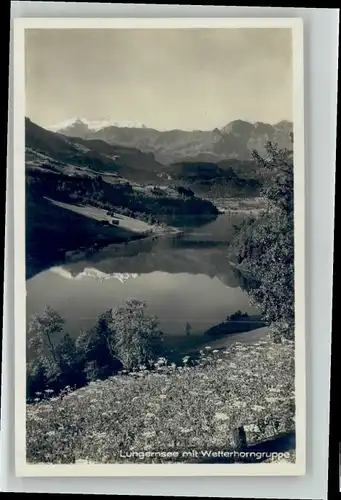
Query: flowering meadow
[(170, 408)]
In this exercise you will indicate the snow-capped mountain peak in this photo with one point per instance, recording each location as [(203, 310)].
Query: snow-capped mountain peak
[(93, 125), (65, 124)]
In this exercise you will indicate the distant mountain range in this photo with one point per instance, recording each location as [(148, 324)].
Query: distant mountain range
[(93, 124), (208, 160), (142, 173), (236, 140), (51, 150)]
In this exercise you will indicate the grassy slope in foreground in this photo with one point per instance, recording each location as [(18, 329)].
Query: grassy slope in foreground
[(172, 409)]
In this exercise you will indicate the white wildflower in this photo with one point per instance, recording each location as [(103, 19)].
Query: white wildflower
[(258, 408), (221, 416), (149, 434), (251, 428), (185, 430), (239, 404), (271, 400)]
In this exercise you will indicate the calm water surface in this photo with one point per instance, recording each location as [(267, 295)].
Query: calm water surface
[(186, 280)]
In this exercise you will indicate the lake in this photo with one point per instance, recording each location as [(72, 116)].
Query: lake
[(184, 279)]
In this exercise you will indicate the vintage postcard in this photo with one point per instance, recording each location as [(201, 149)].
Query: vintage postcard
[(159, 247)]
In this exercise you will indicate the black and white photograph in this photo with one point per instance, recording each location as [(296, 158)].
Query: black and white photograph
[(159, 205)]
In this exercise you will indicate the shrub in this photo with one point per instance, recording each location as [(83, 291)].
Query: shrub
[(57, 362), (94, 348), (123, 337), (263, 247), (135, 338)]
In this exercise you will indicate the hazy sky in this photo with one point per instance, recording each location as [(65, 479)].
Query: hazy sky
[(170, 78)]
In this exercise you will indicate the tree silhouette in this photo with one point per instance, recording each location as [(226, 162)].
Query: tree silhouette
[(264, 247), (135, 337)]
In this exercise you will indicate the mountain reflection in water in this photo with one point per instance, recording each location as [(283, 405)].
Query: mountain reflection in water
[(181, 280)]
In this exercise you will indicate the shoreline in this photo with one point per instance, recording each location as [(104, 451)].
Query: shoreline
[(110, 235)]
